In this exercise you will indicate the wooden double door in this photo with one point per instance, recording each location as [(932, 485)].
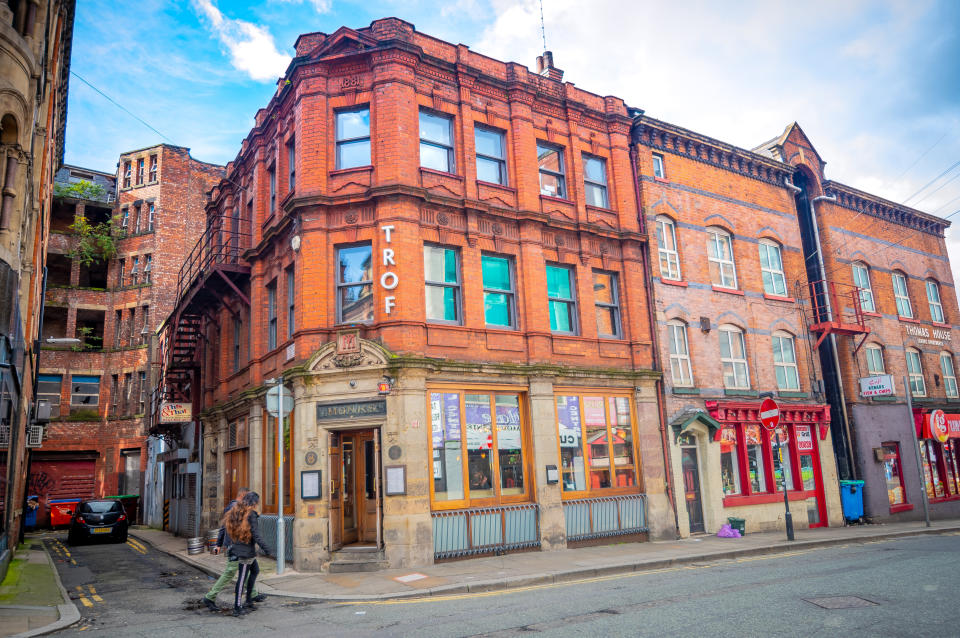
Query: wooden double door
[(355, 487)]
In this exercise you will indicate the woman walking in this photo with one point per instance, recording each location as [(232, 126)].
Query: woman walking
[(241, 523)]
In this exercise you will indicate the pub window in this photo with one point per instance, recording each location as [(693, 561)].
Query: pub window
[(272, 315), (658, 171), (478, 447), (552, 175), (153, 168), (498, 294), (771, 268), (667, 248), (756, 466), (291, 301), (595, 181), (949, 375), (84, 392), (353, 138), (729, 462), (893, 473), (785, 361), (933, 297), (354, 284), (491, 157), (596, 435), (861, 279), (874, 354), (48, 389), (680, 368), (606, 293), (442, 283), (139, 171), (935, 481), (436, 142), (561, 300), (901, 294), (915, 372)]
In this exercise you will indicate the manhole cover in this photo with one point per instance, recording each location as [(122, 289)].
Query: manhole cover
[(840, 602)]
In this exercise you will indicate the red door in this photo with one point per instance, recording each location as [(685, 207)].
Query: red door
[(53, 478), (810, 474)]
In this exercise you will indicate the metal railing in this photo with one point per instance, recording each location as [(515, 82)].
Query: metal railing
[(222, 242), (485, 530), (268, 530), (602, 516), (841, 303)]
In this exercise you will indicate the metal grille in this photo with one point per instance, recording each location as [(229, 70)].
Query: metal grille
[(487, 530), (268, 529), (232, 437), (589, 518), (34, 436), (4, 436)]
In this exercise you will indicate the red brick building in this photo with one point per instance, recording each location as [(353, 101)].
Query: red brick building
[(465, 232), (891, 267), (730, 283), (98, 389)]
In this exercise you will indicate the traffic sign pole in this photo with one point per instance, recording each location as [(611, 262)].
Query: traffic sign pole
[(770, 418)]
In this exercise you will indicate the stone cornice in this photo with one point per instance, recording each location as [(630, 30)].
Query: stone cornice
[(853, 199), (680, 141)]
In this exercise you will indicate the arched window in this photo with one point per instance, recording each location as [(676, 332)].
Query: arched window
[(933, 297), (680, 367), (902, 295), (949, 375), (915, 372), (771, 268), (874, 354), (785, 361), (861, 279), (723, 272), (733, 358), (667, 248)]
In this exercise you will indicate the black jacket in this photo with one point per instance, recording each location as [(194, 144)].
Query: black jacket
[(223, 539), (249, 550)]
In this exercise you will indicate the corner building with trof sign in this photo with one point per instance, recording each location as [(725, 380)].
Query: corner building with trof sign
[(442, 256)]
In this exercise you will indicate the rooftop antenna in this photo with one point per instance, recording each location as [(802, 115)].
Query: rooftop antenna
[(543, 31)]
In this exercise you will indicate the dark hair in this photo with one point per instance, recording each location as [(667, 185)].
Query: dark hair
[(251, 499)]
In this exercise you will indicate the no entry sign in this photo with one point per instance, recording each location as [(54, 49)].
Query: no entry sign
[(769, 414)]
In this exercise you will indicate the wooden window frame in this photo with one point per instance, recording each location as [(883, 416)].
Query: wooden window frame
[(677, 358), (672, 255)]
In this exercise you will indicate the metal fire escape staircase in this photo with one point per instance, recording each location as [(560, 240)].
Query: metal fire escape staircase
[(212, 277), (833, 308)]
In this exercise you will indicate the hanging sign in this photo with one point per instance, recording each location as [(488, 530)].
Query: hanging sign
[(878, 386), (175, 412)]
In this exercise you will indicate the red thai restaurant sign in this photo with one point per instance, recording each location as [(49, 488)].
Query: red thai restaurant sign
[(939, 426)]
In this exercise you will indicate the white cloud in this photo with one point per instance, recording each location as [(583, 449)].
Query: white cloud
[(321, 6), (251, 47)]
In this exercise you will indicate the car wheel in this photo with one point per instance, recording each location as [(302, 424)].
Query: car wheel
[(72, 539), (123, 537)]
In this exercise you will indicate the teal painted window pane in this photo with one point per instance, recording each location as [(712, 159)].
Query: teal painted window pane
[(560, 317), (496, 272), (441, 303), (440, 264), (496, 308), (558, 283)]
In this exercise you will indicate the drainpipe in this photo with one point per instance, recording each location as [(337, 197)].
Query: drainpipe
[(851, 465), (651, 315)]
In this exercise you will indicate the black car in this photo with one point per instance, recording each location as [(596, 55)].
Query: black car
[(98, 519)]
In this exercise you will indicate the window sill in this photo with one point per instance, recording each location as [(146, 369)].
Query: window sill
[(683, 390), (793, 394), (729, 291), (953, 400), (908, 319), (767, 497), (890, 399), (662, 180), (510, 189), (923, 399), (551, 198), (872, 314), (432, 171), (740, 393), (947, 326), (352, 169), (602, 209), (902, 507), (944, 499), (267, 221), (779, 298), (674, 282)]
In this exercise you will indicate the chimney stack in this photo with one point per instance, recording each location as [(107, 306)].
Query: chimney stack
[(545, 67)]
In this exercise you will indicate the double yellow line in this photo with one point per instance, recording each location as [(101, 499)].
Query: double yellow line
[(137, 545), (92, 593), (61, 550)]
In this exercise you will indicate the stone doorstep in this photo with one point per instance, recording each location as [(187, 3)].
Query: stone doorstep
[(472, 583)]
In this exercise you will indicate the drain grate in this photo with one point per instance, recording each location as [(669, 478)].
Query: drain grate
[(840, 602)]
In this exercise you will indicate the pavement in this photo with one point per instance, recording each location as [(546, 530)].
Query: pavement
[(522, 570), (32, 598)]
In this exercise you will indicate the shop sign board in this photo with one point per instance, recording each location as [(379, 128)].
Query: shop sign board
[(352, 410), (938, 426), (939, 337), (769, 413), (804, 438), (175, 412), (878, 386)]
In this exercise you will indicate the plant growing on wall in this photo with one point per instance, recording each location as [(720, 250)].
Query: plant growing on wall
[(88, 341), (96, 242), (81, 190)]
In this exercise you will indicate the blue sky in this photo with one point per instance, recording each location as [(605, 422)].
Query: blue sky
[(876, 85)]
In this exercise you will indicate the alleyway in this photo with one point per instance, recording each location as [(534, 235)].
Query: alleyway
[(903, 586)]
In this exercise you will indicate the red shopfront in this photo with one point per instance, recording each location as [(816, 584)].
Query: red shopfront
[(939, 435), (753, 467)]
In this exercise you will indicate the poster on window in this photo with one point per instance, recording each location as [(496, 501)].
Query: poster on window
[(784, 437), (478, 424), (436, 419), (568, 416), (751, 434), (508, 427), (621, 407), (804, 438), (728, 439), (593, 412), (451, 416)]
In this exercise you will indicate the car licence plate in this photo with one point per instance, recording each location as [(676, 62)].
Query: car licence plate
[(101, 530)]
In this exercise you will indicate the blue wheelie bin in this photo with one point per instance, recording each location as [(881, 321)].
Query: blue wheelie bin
[(851, 497)]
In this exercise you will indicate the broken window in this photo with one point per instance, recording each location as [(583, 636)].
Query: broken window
[(58, 270), (54, 322), (90, 328)]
